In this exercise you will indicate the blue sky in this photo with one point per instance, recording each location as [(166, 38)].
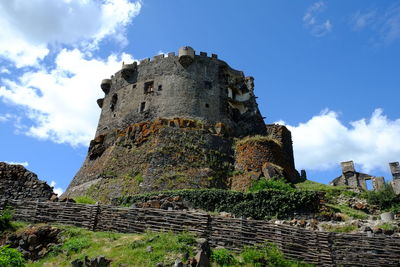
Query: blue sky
[(327, 69)]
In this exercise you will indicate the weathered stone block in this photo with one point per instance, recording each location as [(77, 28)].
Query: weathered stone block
[(347, 166)]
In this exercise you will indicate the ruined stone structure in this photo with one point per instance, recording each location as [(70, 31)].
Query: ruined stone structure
[(171, 123), (18, 183), (355, 179), (395, 170)]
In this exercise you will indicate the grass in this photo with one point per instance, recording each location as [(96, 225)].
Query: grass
[(356, 214), (387, 226), (84, 200), (254, 256), (166, 247), (331, 192), (128, 249), (347, 228)]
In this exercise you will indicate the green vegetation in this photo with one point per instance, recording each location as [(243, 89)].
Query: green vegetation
[(122, 249), (331, 192), (223, 257), (257, 139), (254, 256), (10, 257), (259, 205), (347, 228), (357, 214), (275, 183), (138, 178), (145, 249), (84, 200), (75, 245), (5, 220), (267, 255), (387, 226), (386, 199)]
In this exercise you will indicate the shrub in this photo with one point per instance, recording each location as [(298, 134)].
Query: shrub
[(253, 256), (10, 257), (385, 199), (5, 219), (85, 200), (274, 183), (223, 257), (259, 205)]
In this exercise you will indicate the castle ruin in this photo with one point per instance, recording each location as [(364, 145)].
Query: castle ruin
[(171, 123)]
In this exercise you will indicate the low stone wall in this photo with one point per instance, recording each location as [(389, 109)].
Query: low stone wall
[(320, 248)]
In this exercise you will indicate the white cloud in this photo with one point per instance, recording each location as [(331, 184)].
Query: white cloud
[(324, 141), (31, 28), (4, 70), (390, 29), (61, 101), (57, 190), (362, 20), (4, 118), (25, 163), (383, 23), (313, 22)]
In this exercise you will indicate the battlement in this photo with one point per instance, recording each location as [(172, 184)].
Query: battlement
[(201, 54)]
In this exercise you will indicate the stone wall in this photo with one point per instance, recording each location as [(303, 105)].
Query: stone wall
[(16, 182), (395, 170), (320, 248)]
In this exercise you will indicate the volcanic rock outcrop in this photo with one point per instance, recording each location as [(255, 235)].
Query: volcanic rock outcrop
[(172, 123), (18, 183)]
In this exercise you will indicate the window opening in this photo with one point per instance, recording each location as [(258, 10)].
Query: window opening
[(159, 87), (369, 185), (113, 102), (207, 106), (148, 87), (207, 84), (142, 106)]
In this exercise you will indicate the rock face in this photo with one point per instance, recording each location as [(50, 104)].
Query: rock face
[(170, 123), (16, 182), (35, 242)]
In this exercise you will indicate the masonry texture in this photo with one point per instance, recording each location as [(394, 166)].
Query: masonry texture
[(319, 248), (16, 182), (171, 122), (350, 177)]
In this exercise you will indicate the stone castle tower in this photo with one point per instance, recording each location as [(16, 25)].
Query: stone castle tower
[(171, 122)]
